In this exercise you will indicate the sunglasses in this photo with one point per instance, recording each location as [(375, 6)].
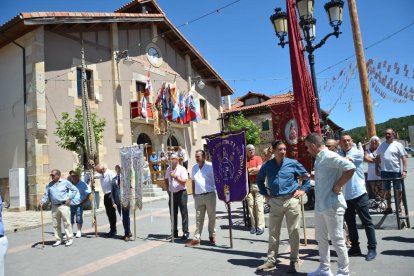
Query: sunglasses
[(52, 175)]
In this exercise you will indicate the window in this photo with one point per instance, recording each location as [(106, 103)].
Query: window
[(265, 125), (89, 83), (140, 90), (251, 101), (203, 109)]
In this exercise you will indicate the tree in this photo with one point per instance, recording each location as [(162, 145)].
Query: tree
[(237, 122), (70, 131)]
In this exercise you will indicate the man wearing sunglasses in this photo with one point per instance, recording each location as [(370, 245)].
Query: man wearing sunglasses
[(60, 193)]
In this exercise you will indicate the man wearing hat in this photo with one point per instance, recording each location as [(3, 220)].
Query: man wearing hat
[(175, 179), (76, 205)]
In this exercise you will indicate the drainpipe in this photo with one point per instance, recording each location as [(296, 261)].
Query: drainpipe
[(25, 114)]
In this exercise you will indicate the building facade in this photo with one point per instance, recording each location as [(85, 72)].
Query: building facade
[(40, 79)]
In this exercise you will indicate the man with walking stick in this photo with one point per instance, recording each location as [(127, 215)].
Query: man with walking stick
[(284, 201), (175, 178), (60, 193)]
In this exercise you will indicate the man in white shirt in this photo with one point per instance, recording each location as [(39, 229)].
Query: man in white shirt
[(106, 176), (175, 179), (204, 191), (389, 157), (183, 154)]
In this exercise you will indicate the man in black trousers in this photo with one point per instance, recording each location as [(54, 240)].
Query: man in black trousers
[(106, 177)]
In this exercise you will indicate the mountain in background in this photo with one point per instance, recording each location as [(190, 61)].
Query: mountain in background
[(400, 126)]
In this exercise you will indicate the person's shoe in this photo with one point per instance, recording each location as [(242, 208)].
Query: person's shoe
[(111, 234), (387, 211), (69, 242), (64, 237), (342, 273), (57, 243), (212, 240), (185, 236), (260, 231), (268, 265), (293, 267), (321, 272), (354, 251), (192, 243), (253, 230), (126, 238), (371, 255), (170, 237), (78, 234)]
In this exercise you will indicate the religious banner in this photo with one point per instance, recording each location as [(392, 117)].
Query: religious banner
[(137, 154), (228, 156), (125, 176)]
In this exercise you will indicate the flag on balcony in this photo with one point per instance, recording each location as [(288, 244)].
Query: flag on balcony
[(165, 102), (144, 112), (190, 109), (181, 106), (176, 108), (198, 117), (148, 85)]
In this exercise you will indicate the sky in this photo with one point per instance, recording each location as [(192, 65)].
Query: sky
[(239, 42)]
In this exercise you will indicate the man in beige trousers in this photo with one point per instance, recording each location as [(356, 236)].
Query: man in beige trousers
[(204, 191), (284, 200), (254, 198)]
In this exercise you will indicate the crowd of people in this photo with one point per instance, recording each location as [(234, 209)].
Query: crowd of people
[(340, 194)]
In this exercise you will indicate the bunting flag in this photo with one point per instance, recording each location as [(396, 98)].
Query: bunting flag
[(198, 117), (144, 112), (155, 115), (190, 109), (148, 84)]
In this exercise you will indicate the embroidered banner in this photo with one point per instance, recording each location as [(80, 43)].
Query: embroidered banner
[(228, 155), (125, 176), (137, 163)]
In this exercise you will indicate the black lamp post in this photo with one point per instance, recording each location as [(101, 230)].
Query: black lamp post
[(308, 25)]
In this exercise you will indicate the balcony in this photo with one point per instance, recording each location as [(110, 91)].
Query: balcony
[(136, 112)]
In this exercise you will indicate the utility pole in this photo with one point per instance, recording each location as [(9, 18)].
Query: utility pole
[(363, 76)]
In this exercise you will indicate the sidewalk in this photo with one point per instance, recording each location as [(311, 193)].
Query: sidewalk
[(20, 221)]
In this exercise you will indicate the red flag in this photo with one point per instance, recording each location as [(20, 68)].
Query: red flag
[(306, 110)]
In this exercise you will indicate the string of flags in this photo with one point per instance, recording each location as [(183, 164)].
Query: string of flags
[(171, 105)]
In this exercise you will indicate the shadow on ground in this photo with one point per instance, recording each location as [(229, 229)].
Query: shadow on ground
[(399, 239)]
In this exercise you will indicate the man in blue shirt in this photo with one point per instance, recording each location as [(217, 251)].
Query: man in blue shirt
[(357, 200), (3, 240), (60, 193), (76, 205), (332, 172), (283, 196)]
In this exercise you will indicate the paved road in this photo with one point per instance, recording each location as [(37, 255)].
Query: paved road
[(151, 254)]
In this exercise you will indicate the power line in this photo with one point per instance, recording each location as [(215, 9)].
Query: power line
[(353, 55)]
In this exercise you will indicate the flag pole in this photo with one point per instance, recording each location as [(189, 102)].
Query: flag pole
[(169, 181)]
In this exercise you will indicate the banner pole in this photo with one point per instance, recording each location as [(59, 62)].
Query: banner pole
[(135, 224), (230, 224), (43, 226), (302, 208)]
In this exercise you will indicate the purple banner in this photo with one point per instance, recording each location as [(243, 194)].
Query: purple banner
[(228, 155)]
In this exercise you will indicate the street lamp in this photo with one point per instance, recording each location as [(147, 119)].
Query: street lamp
[(308, 25)]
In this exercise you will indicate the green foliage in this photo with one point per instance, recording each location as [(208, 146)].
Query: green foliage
[(69, 130), (400, 126), (237, 122)]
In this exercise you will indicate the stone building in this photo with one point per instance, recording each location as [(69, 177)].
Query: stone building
[(40, 57)]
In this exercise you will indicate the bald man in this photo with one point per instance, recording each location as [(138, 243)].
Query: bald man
[(332, 145), (106, 177)]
